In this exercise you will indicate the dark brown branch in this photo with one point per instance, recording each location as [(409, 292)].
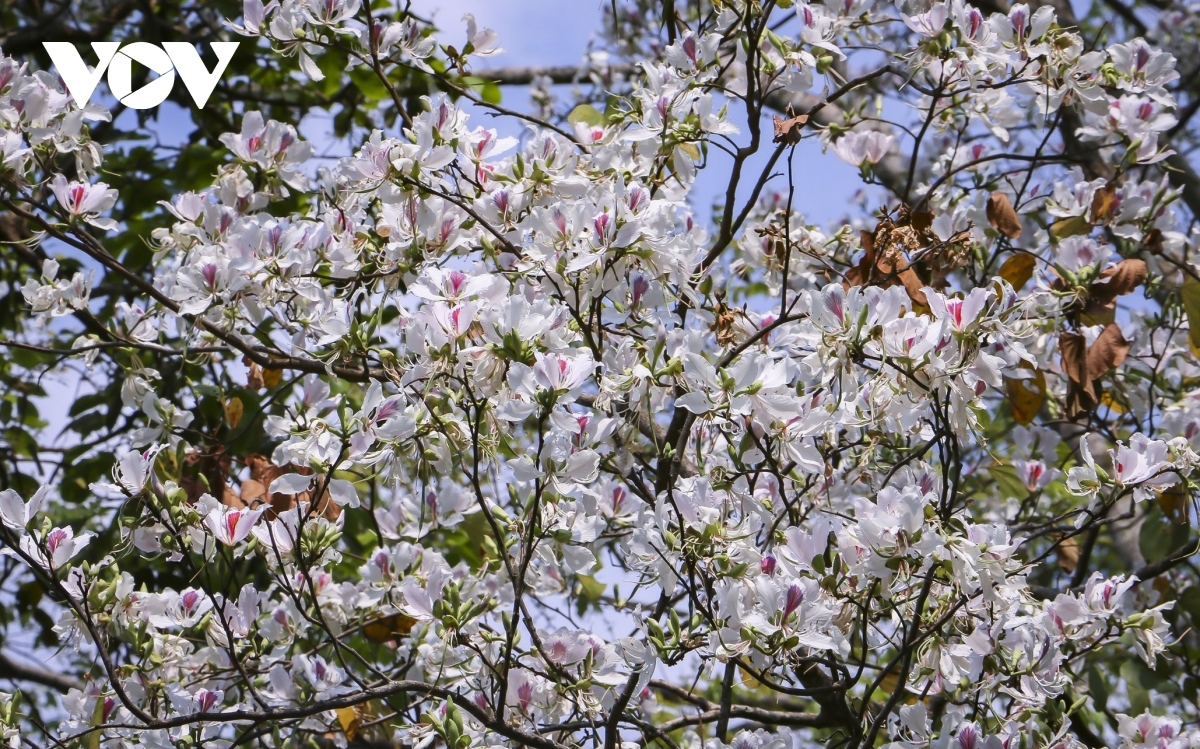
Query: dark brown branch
[(18, 671)]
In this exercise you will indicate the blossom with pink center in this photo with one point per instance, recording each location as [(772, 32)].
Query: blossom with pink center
[(231, 526), (563, 373), (85, 201), (960, 313)]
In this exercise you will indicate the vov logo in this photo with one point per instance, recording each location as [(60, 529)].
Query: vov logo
[(167, 60)]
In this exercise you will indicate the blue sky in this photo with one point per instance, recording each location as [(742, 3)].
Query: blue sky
[(556, 32)]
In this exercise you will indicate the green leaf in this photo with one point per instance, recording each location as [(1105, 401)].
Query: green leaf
[(1190, 296), (1005, 477), (1098, 687), (1189, 601), (587, 114), (590, 591), (1159, 537)]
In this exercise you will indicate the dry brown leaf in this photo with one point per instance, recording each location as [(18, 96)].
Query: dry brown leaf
[(1153, 242), (897, 267), (922, 221), (1074, 357), (1120, 279), (1108, 351), (1068, 554), (788, 130), (724, 324), (1002, 216), (272, 377), (205, 473), (254, 374), (230, 498), (253, 492), (1081, 394), (263, 471), (1018, 269)]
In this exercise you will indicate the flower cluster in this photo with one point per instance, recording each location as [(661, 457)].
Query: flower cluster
[(492, 436)]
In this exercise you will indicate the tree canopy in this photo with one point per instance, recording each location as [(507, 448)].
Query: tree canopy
[(488, 430)]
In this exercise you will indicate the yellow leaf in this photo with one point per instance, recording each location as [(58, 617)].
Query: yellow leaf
[(1025, 397), (233, 411), (1104, 203), (1174, 503), (1069, 227), (272, 377), (349, 721), (889, 683), (1190, 295), (1107, 400), (388, 628), (1018, 269)]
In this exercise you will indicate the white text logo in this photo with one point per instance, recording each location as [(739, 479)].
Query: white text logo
[(166, 60)]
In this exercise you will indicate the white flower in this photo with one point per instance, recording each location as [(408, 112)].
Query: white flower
[(231, 526), (859, 146), (86, 201), (16, 514)]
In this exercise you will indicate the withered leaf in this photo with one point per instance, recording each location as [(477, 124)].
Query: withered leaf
[(1025, 397), (724, 324), (1120, 279), (914, 287), (253, 492), (1002, 216), (1113, 402), (1081, 394), (230, 498), (1099, 311), (1074, 357), (349, 721), (205, 473), (1174, 503), (388, 628), (1104, 204), (254, 374), (922, 221), (233, 411), (263, 471), (1068, 554), (272, 377), (1190, 296), (1153, 242), (1108, 351), (1018, 269), (1069, 227), (787, 130)]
